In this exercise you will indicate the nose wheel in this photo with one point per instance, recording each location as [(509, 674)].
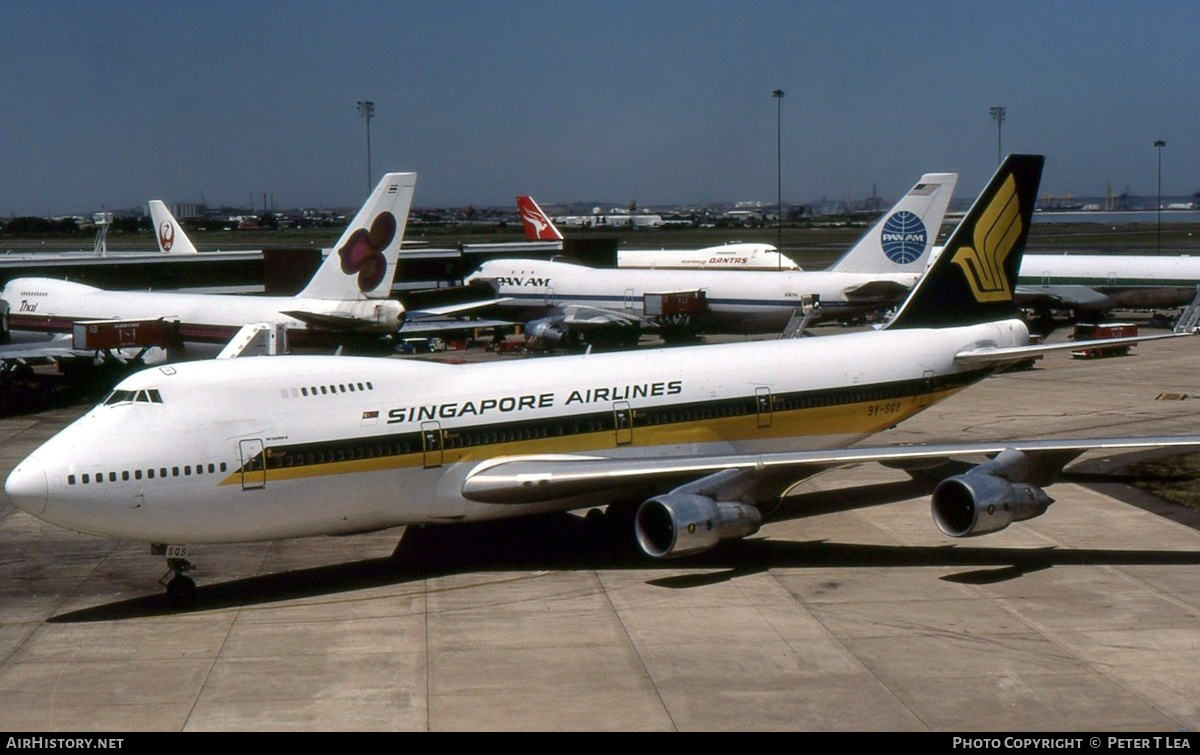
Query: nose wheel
[(181, 590)]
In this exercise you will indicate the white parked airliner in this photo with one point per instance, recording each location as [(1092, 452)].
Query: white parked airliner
[(560, 298), (704, 438), (348, 294), (738, 255)]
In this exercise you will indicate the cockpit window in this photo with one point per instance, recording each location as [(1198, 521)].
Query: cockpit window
[(145, 396)]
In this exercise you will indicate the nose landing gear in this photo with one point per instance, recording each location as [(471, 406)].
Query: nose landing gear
[(181, 590)]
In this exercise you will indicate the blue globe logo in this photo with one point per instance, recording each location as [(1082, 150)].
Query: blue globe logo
[(903, 238)]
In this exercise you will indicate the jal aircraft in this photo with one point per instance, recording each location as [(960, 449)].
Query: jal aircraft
[(348, 294), (733, 256), (167, 231), (699, 441), (557, 297)]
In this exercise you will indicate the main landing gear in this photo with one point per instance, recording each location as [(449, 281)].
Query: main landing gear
[(181, 590)]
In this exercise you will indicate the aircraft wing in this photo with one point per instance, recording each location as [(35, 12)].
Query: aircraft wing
[(58, 347), (453, 309), (888, 292), (1063, 297), (988, 355), (432, 325), (532, 479), (583, 315)]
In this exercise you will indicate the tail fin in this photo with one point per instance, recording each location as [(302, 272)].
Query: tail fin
[(363, 262), (973, 279), (903, 237), (170, 235), (538, 227)]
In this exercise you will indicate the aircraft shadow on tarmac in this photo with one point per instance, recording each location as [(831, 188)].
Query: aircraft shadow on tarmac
[(566, 542)]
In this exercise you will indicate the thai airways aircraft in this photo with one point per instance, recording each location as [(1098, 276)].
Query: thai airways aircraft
[(348, 294), (733, 256), (698, 441), (558, 298)]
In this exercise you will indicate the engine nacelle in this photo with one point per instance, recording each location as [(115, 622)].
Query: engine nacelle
[(680, 524), (547, 330), (977, 503)]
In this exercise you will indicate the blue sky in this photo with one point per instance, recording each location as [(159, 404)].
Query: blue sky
[(661, 102)]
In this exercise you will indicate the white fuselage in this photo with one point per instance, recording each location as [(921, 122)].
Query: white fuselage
[(48, 305), (736, 256), (1131, 280), (743, 300), (271, 447)]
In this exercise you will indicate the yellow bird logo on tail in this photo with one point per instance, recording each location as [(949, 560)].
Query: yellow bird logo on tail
[(995, 236)]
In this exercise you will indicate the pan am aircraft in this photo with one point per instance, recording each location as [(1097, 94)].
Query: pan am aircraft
[(699, 441), (561, 299)]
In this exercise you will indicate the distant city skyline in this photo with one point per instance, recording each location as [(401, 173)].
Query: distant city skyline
[(662, 102)]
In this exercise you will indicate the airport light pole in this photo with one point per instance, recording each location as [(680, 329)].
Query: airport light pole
[(778, 95), (366, 109), (1158, 145), (998, 115)]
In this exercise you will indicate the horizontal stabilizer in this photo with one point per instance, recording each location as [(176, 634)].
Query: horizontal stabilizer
[(876, 291), (329, 321), (984, 356)]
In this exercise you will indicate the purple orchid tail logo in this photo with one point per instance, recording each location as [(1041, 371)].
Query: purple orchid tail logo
[(363, 252)]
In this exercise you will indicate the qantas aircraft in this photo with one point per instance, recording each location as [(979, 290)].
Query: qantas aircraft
[(561, 299), (698, 441), (347, 295), (733, 256)]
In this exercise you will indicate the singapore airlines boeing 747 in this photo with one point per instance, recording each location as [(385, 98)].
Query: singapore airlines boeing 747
[(701, 440)]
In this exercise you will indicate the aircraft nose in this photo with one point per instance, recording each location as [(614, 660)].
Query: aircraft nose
[(26, 486)]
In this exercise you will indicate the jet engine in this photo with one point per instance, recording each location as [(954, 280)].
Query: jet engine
[(547, 330), (680, 524), (980, 502)]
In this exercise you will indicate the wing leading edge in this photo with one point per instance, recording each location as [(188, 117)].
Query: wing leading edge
[(534, 479)]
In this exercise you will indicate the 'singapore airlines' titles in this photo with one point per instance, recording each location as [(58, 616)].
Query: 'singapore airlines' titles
[(510, 404)]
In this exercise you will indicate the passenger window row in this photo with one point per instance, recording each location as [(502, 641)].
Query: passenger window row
[(326, 390), (149, 474)]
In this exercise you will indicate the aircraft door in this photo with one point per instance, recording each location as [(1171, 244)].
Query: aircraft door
[(549, 294), (762, 405), (623, 422), (629, 298), (926, 394), (431, 443), (254, 464)]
